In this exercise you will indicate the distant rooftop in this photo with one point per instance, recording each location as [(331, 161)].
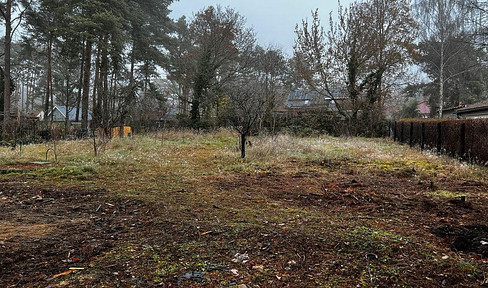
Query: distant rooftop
[(72, 112)]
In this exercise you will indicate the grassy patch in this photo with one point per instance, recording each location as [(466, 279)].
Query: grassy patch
[(445, 194)]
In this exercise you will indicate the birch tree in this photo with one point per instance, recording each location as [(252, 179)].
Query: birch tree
[(443, 34)]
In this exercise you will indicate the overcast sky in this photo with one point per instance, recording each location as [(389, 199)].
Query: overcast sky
[(273, 21)]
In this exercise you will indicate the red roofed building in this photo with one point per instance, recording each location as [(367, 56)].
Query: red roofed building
[(424, 109)]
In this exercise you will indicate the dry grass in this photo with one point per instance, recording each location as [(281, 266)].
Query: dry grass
[(8, 231)]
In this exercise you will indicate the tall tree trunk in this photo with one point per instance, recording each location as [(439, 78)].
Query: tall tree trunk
[(104, 89), (50, 77), (183, 103), (27, 94), (66, 118), (97, 111), (441, 81), (80, 85), (195, 103), (113, 94), (132, 62), (86, 86), (32, 91), (6, 78), (48, 105)]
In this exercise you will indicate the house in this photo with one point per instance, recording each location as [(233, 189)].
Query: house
[(451, 112), (477, 110), (35, 115), (59, 115), (302, 99), (423, 109), (473, 111)]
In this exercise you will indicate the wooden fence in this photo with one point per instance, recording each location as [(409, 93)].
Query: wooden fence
[(463, 139)]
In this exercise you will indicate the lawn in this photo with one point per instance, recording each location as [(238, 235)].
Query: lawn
[(181, 209)]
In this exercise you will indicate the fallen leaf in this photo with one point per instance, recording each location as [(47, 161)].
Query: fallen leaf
[(63, 273)]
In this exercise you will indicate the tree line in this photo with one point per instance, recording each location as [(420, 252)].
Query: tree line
[(384, 53), (127, 61)]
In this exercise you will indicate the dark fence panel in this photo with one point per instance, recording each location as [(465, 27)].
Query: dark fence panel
[(464, 139), (477, 141), (430, 135), (416, 134), (406, 133), (451, 138)]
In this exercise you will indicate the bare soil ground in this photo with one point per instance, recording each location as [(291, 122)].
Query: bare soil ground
[(45, 231), (314, 223)]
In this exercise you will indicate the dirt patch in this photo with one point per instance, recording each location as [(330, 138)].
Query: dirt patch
[(45, 231), (22, 167), (408, 198), (390, 217)]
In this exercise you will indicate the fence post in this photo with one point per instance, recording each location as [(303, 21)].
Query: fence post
[(439, 138), (422, 137), (463, 141), (411, 135), (401, 132)]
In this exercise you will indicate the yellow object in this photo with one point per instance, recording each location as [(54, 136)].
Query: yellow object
[(127, 132)]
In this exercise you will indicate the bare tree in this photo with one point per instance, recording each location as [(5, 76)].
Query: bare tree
[(271, 67), (246, 103), (371, 42)]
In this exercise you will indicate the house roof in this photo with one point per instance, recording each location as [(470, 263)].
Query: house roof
[(453, 109), (72, 112), (34, 113), (302, 98), (483, 105), (423, 107)]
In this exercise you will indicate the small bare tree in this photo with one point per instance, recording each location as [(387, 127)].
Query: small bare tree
[(245, 104)]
